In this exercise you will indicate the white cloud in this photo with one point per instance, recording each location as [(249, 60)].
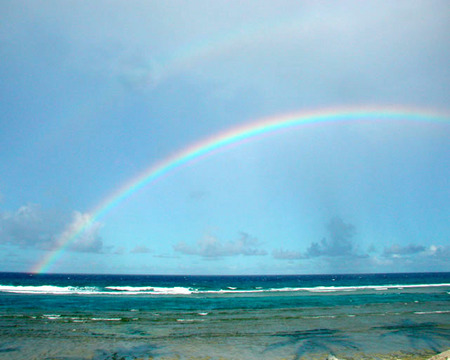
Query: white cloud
[(84, 232), (32, 227), (211, 247), (29, 226)]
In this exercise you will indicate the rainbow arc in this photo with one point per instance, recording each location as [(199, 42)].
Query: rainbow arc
[(234, 136)]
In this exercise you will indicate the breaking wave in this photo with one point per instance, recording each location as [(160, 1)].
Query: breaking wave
[(177, 290)]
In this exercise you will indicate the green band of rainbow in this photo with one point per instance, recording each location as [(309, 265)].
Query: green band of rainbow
[(222, 140)]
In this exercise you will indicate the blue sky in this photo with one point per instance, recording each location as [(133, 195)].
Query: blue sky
[(93, 93)]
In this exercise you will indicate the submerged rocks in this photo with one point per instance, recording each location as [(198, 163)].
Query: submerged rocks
[(442, 356), (331, 357)]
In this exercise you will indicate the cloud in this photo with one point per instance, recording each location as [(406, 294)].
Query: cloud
[(211, 247), (135, 73), (339, 243), (141, 249), (438, 251), (286, 254), (166, 256), (32, 227), (29, 226), (88, 240), (412, 251), (397, 251), (333, 249), (414, 257), (321, 44), (119, 251), (338, 252)]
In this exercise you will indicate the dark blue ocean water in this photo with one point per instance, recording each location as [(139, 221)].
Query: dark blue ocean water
[(159, 292), (236, 317)]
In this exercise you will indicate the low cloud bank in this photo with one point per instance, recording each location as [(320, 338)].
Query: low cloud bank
[(212, 247), (32, 227), (338, 251)]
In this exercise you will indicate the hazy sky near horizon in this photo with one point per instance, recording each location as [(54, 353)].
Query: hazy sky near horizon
[(93, 93)]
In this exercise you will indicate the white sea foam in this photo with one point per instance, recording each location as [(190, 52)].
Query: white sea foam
[(363, 287), (229, 291), (79, 320), (73, 290), (185, 320), (177, 290), (321, 317), (48, 289), (51, 316), (131, 288), (432, 312), (324, 289)]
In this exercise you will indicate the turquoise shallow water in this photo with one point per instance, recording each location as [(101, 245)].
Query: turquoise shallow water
[(238, 317)]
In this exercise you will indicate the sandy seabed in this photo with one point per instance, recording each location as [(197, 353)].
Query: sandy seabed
[(217, 337)]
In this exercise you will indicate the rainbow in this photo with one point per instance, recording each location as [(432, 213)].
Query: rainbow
[(232, 41), (222, 141)]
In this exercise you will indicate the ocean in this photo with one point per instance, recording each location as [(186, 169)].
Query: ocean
[(361, 316)]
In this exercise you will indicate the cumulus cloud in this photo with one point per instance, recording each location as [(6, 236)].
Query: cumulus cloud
[(86, 241), (397, 251), (412, 251), (32, 227), (141, 249), (438, 251), (29, 226), (339, 243), (414, 257), (338, 252), (287, 254), (212, 247)]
